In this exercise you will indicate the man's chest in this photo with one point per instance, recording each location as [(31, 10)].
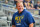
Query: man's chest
[(19, 19)]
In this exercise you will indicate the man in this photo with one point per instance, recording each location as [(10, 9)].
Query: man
[(28, 4), (37, 6), (22, 18)]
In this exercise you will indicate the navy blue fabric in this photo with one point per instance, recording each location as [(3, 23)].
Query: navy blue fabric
[(23, 19), (35, 6)]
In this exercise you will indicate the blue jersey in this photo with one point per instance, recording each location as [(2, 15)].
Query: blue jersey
[(23, 19)]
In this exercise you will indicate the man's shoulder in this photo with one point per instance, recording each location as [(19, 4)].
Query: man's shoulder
[(27, 12)]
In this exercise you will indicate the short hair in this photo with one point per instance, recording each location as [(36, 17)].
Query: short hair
[(18, 2)]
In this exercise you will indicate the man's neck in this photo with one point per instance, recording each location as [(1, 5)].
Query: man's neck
[(20, 12)]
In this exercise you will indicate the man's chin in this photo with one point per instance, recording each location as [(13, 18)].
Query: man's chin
[(20, 11)]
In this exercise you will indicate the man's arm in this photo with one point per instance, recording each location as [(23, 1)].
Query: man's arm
[(13, 26), (30, 20), (31, 25), (25, 4), (13, 22), (38, 8)]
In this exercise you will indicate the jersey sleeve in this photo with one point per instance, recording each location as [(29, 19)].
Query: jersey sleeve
[(30, 18), (13, 23)]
